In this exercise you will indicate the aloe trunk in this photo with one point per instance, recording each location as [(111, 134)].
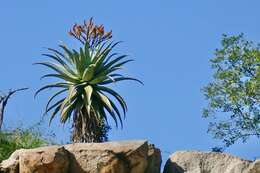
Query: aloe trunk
[(88, 129)]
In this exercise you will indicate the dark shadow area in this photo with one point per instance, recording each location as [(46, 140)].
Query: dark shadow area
[(74, 166), (172, 167)]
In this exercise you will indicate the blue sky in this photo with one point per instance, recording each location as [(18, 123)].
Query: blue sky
[(171, 41)]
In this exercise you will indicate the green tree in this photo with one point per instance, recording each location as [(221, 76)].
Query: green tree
[(234, 95), (84, 75)]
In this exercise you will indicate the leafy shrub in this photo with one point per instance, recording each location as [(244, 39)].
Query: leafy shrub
[(11, 140)]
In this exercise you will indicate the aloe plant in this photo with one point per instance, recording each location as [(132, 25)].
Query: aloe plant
[(84, 76)]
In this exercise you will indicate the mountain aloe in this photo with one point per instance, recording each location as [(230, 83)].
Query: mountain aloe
[(83, 75)]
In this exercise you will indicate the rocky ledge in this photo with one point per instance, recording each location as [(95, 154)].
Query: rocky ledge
[(109, 157), (121, 157)]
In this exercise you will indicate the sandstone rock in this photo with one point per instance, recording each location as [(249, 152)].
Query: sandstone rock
[(112, 157), (109, 157), (11, 165), (211, 162), (52, 159)]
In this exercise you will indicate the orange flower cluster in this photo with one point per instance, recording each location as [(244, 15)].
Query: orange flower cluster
[(90, 33)]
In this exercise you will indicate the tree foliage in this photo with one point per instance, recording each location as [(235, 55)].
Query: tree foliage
[(83, 75), (234, 94)]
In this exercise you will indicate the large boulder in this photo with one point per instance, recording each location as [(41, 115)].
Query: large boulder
[(109, 157), (112, 157), (209, 162)]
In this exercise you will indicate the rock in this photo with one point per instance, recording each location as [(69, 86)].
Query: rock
[(211, 162), (52, 159), (112, 157), (109, 157), (11, 165)]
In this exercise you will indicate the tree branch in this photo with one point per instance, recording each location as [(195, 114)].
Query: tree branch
[(3, 102)]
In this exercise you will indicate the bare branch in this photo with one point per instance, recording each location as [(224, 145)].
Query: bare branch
[(3, 102)]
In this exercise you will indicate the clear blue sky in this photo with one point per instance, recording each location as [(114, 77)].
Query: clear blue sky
[(171, 41)]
